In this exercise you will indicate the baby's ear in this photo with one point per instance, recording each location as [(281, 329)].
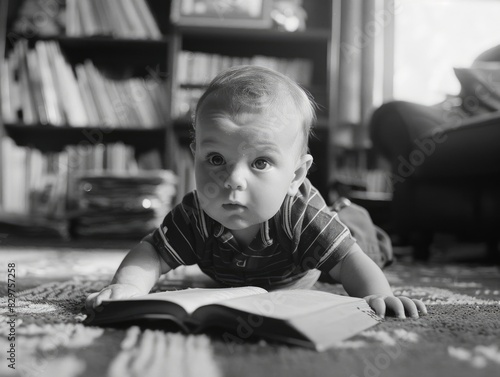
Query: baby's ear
[(193, 147), (301, 170)]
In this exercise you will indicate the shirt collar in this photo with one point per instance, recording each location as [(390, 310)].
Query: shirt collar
[(264, 233)]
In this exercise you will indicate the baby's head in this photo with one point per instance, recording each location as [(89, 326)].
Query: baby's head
[(259, 90), (251, 127)]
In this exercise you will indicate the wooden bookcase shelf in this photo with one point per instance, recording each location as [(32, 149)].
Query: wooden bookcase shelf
[(54, 139), (311, 35)]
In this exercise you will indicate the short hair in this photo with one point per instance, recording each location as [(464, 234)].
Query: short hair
[(258, 89)]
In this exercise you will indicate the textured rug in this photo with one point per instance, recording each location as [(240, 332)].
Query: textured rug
[(459, 337)]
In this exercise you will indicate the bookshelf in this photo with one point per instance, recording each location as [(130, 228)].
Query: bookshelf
[(82, 95), (159, 57)]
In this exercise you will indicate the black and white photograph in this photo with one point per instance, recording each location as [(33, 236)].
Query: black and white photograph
[(220, 188)]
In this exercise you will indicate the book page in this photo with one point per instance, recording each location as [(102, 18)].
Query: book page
[(193, 298), (287, 304)]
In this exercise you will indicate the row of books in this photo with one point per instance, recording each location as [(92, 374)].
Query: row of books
[(198, 68), (46, 184), (39, 86), (117, 18)]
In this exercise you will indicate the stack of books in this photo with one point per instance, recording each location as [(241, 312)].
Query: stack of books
[(124, 205)]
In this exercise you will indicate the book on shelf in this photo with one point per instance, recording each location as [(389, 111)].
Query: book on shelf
[(308, 318), (41, 87), (55, 115), (196, 69), (7, 93), (35, 76), (28, 107), (14, 160), (118, 18), (33, 201), (199, 68), (68, 91)]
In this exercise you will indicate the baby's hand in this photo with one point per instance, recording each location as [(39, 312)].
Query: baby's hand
[(111, 292), (397, 305)]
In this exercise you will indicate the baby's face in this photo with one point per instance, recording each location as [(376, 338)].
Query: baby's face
[(244, 165)]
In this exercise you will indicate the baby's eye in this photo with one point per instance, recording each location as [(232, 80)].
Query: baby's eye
[(261, 164), (216, 159)]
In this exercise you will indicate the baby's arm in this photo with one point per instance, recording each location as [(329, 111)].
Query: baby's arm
[(361, 277), (138, 272)]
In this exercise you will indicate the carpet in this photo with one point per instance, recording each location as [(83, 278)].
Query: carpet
[(459, 337)]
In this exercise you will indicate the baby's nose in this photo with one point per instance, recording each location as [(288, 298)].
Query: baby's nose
[(236, 178)]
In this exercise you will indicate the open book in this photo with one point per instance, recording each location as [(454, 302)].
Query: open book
[(307, 318)]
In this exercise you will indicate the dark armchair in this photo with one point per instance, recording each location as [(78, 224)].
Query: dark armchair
[(446, 160), (445, 172)]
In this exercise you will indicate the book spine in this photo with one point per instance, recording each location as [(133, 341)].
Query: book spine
[(30, 115), (8, 113), (14, 168), (138, 96), (89, 26), (59, 82), (159, 97), (36, 84), (121, 27), (104, 10), (69, 92), (14, 85), (100, 95), (72, 18), (147, 18), (138, 29), (86, 95), (54, 115), (133, 105), (119, 109), (97, 17)]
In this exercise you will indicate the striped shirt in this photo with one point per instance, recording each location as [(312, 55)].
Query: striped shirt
[(303, 235)]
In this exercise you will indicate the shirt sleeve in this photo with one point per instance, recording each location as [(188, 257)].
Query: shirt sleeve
[(320, 238), (175, 239)]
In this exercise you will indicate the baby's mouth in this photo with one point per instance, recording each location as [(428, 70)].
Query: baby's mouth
[(233, 206)]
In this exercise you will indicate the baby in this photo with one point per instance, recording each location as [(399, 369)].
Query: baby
[(255, 219)]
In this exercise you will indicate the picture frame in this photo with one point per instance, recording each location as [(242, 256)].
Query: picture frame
[(254, 14)]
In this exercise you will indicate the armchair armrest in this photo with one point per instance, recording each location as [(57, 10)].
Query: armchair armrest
[(467, 148), (395, 125), (433, 142)]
